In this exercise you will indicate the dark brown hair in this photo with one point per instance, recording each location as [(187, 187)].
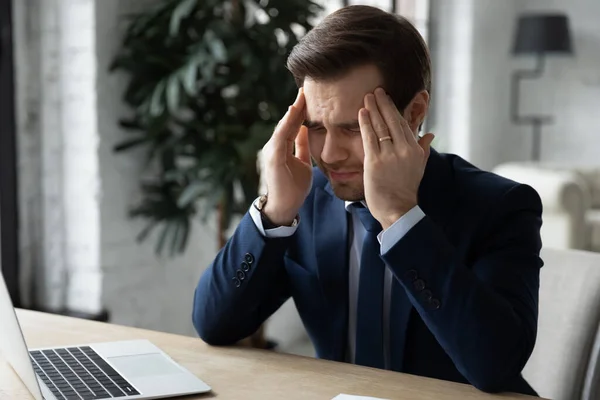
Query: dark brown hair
[(358, 35)]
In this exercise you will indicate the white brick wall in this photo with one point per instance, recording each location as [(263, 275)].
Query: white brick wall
[(80, 157), (53, 277), (57, 136)]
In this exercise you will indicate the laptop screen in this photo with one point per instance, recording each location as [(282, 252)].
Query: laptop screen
[(12, 342)]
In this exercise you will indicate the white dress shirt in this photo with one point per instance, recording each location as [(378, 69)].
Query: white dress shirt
[(387, 240)]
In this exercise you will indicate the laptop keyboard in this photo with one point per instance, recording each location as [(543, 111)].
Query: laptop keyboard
[(79, 373)]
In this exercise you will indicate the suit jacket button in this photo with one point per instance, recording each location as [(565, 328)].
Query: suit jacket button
[(245, 266), (434, 304), (427, 295), (241, 275), (249, 258), (419, 284), (236, 281), (411, 275)]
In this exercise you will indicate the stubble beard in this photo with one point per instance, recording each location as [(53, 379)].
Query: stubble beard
[(347, 192), (354, 191)]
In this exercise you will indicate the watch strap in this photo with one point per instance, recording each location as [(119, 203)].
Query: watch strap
[(266, 222)]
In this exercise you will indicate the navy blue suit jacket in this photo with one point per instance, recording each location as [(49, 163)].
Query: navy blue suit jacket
[(477, 252)]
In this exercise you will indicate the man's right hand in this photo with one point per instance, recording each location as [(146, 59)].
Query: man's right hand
[(288, 174)]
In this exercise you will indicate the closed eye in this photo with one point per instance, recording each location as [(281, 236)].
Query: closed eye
[(354, 131), (317, 129)]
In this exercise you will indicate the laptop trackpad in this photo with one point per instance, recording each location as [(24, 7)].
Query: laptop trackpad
[(144, 365)]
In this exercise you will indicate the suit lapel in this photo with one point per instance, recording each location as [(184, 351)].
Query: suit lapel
[(331, 243)]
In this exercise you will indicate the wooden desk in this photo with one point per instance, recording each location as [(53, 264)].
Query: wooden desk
[(239, 373)]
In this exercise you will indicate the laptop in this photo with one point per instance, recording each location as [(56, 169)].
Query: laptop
[(125, 370)]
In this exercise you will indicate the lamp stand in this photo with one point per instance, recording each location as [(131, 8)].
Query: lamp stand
[(536, 121)]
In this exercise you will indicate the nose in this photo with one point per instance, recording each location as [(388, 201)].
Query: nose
[(334, 150)]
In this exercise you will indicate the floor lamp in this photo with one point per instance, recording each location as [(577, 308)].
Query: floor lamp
[(537, 35)]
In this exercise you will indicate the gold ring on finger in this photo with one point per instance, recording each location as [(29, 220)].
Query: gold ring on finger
[(383, 139)]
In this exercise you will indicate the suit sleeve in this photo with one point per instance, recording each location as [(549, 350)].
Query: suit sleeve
[(484, 315), (243, 286)]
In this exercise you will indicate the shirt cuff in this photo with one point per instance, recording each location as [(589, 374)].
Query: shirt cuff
[(279, 232), (392, 235)]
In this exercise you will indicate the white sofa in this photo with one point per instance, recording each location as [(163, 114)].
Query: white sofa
[(566, 201)]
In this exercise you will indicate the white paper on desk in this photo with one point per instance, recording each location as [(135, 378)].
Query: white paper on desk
[(351, 397)]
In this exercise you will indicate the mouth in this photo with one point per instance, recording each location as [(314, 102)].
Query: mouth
[(341, 176)]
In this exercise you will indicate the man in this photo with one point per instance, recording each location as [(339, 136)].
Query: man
[(396, 256)]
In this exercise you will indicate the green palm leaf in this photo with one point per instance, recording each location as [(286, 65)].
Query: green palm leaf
[(206, 86)]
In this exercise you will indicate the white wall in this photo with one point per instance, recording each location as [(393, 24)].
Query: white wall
[(139, 289), (473, 76), (570, 88), (471, 83), (492, 135), (451, 52)]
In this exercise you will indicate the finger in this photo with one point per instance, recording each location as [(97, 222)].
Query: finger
[(302, 148), (425, 143), (294, 111), (287, 129), (379, 126), (410, 135), (300, 100), (294, 130), (299, 111), (282, 130), (368, 135), (391, 116)]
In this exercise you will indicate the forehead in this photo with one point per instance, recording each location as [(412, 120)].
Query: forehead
[(340, 98)]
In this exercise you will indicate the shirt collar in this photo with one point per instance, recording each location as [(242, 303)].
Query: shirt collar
[(349, 204)]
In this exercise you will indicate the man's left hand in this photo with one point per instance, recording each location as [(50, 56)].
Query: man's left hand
[(394, 160)]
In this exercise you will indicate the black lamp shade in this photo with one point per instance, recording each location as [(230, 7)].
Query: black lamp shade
[(543, 33)]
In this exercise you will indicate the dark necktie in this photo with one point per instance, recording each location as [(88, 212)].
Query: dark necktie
[(369, 318)]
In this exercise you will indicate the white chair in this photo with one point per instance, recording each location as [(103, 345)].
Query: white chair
[(564, 363), (591, 386)]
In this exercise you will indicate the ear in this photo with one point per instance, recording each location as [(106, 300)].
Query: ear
[(417, 110)]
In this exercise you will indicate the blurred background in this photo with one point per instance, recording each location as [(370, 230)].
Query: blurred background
[(130, 133)]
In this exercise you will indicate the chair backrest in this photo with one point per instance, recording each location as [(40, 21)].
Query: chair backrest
[(591, 384), (569, 318)]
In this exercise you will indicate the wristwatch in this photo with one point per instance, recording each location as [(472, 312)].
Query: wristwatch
[(259, 204)]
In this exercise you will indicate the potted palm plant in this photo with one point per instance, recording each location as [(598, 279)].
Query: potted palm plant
[(207, 84)]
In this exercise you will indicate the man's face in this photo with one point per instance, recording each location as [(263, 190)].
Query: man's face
[(333, 131)]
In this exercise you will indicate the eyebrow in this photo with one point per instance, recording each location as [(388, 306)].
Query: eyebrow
[(344, 125)]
